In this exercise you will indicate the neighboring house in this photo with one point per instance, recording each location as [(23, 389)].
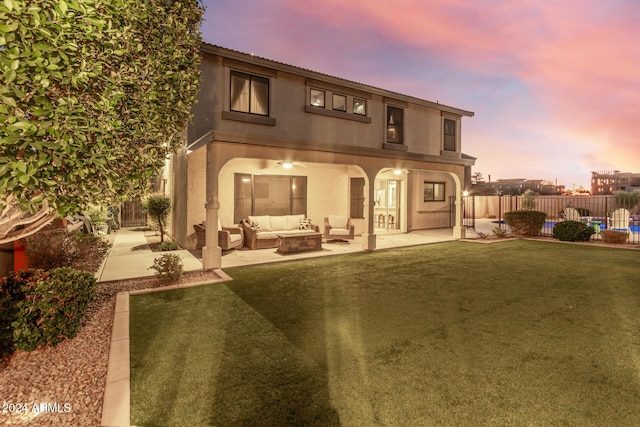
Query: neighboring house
[(272, 138)]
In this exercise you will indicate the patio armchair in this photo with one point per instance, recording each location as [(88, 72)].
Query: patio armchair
[(228, 237), (571, 214), (619, 220), (338, 227)]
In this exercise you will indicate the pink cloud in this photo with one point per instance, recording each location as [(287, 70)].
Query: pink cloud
[(579, 59)]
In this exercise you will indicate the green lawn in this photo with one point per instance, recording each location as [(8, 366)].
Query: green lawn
[(514, 333)]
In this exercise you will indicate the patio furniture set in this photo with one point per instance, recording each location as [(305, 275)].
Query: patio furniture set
[(620, 220), (287, 233)]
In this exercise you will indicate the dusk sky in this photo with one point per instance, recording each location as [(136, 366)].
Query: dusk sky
[(554, 85)]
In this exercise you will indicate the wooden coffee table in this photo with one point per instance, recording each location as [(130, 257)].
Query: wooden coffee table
[(299, 242)]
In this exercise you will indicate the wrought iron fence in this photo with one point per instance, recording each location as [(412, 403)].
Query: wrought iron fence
[(595, 211)]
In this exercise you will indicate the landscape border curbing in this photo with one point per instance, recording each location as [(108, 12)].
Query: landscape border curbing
[(116, 405)]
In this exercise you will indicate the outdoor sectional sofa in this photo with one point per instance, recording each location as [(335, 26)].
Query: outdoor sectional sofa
[(261, 232)]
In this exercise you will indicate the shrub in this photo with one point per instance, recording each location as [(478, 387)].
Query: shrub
[(56, 248), (52, 307), (499, 232), (525, 223), (49, 249), (168, 246), (613, 236), (572, 231), (158, 208), (168, 267), (10, 294)]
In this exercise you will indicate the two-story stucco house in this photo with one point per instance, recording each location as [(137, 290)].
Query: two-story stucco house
[(272, 138)]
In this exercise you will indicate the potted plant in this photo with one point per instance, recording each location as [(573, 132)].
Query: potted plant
[(99, 219)]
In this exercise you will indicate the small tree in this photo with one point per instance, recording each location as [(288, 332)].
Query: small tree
[(477, 178), (627, 199), (94, 94), (158, 207), (529, 200)]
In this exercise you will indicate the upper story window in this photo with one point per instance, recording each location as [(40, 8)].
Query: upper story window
[(249, 93), (335, 101), (449, 135), (359, 106), (395, 119), (317, 98), (339, 102)]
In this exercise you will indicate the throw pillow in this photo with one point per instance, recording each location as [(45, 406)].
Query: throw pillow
[(256, 226), (305, 224)]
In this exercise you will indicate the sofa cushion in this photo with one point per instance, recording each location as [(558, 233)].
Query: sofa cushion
[(219, 225), (262, 221), (339, 232), (293, 221), (279, 223), (266, 235), (338, 221), (235, 237)]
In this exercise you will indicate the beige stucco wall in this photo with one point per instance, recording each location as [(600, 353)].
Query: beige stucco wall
[(423, 126), (435, 214), (327, 186), (334, 146)]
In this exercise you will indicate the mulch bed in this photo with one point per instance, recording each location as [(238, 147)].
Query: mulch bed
[(71, 376)]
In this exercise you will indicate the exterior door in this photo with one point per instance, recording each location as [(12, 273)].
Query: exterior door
[(387, 204)]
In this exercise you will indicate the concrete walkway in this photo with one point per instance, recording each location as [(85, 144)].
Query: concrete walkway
[(130, 257)]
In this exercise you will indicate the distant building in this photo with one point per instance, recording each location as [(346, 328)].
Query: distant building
[(516, 186), (607, 182)]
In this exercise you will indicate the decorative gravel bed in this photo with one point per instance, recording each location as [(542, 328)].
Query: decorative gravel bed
[(64, 385)]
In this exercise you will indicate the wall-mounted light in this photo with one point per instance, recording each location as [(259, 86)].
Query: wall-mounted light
[(397, 171), (287, 165), (465, 193)]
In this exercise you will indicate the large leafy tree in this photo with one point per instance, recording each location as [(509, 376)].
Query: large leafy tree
[(93, 96)]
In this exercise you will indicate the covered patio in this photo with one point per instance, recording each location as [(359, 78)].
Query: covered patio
[(246, 257)]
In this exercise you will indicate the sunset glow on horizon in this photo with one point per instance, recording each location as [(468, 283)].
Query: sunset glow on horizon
[(554, 87)]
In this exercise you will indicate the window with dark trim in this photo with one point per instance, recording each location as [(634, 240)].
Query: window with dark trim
[(359, 106), (339, 102), (395, 120), (434, 191), (269, 195), (317, 98), (249, 93), (449, 135), (357, 198)]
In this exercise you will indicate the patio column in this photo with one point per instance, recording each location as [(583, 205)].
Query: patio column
[(458, 228), (211, 252), (368, 237)]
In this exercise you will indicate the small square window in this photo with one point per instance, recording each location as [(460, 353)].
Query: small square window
[(359, 106), (339, 102), (317, 98)]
